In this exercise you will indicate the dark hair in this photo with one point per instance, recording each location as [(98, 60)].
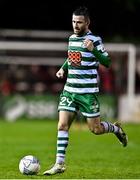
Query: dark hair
[(82, 11)]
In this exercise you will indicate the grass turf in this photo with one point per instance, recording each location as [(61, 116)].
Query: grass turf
[(88, 156)]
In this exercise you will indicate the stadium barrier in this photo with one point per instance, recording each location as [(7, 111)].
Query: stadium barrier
[(45, 107)]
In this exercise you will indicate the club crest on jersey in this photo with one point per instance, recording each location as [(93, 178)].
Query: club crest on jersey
[(74, 58)]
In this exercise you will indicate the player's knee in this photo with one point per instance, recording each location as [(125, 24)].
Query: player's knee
[(96, 130), (62, 127)]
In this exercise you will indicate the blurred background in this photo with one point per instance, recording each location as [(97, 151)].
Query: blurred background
[(33, 46)]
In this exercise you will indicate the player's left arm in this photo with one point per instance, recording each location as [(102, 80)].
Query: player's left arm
[(99, 52)]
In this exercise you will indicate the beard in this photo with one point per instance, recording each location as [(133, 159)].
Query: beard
[(79, 32)]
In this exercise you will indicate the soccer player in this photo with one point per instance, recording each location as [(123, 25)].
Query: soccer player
[(85, 52)]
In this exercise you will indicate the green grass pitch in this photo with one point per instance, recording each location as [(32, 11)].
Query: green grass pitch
[(88, 156)]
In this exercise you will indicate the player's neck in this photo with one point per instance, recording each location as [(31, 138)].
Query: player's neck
[(84, 33)]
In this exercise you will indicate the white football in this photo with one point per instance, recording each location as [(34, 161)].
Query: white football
[(29, 165)]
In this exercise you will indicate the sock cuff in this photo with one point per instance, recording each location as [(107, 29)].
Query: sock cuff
[(109, 127), (62, 133), (106, 126)]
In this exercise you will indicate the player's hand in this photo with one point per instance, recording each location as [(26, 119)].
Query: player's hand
[(60, 73), (88, 44)]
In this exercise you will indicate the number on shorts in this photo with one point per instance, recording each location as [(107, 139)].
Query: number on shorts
[(65, 101)]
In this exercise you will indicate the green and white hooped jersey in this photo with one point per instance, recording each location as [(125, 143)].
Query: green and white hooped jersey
[(82, 65)]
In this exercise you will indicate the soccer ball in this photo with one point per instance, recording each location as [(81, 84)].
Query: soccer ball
[(29, 165)]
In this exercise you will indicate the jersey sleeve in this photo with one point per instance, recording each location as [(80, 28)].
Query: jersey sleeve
[(65, 65), (100, 53)]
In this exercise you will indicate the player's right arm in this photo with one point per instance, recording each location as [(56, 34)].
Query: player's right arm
[(62, 70)]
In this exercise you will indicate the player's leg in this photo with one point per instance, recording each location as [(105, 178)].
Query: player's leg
[(95, 125), (66, 114), (90, 108), (98, 127), (65, 120)]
